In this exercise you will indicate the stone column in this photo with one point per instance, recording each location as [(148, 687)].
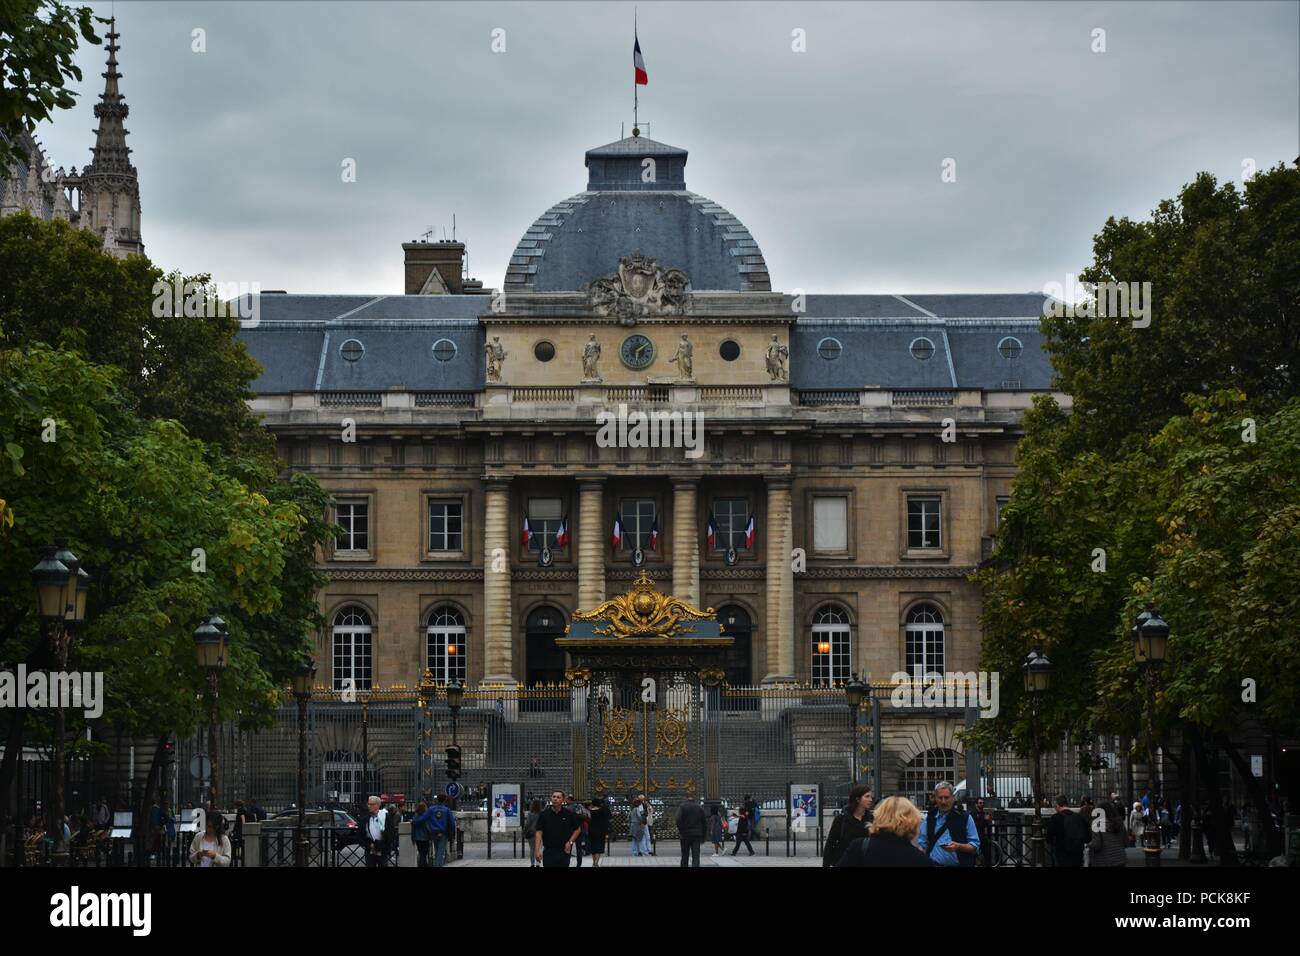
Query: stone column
[(686, 543), (591, 543), (780, 583), (498, 619)]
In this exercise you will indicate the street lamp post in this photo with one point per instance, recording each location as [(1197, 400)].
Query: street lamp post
[(1150, 641), (210, 645), (854, 692), (365, 751), (1038, 678), (303, 678), (61, 589)]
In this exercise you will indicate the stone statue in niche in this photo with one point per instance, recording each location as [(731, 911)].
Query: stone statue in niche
[(496, 357), (777, 357), (685, 359), (591, 356)]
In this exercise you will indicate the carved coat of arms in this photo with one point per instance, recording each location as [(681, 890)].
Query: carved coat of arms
[(641, 286)]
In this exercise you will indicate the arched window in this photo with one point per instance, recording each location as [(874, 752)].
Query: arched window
[(445, 645), (925, 640), (925, 770), (352, 658), (832, 641)]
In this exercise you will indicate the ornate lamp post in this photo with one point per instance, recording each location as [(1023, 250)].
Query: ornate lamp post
[(854, 692), (1038, 678), (303, 678), (210, 646), (61, 589), (1150, 641)]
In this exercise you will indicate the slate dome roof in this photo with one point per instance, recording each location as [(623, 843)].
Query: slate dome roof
[(581, 239)]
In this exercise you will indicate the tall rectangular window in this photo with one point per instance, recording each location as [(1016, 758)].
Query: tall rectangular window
[(831, 523), (445, 526), (638, 517), (1001, 503), (544, 516), (923, 523), (731, 515), (354, 517)]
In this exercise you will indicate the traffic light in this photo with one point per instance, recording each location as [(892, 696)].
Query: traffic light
[(453, 762), (169, 748)]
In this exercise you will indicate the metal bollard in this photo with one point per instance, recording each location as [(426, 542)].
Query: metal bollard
[(460, 844), (767, 842)]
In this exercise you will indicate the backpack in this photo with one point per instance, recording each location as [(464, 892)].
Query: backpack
[(438, 820)]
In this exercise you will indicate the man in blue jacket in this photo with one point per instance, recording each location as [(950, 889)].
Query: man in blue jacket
[(948, 835), (442, 824)]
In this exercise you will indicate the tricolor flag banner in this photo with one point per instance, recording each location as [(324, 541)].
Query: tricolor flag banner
[(638, 64), (617, 537), (528, 535), (654, 533), (562, 533), (749, 533), (711, 532)]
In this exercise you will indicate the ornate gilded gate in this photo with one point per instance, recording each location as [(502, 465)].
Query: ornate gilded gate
[(649, 665)]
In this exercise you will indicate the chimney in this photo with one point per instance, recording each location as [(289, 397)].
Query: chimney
[(434, 268)]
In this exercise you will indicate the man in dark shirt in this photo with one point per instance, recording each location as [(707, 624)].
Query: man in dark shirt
[(557, 829), (1067, 834)]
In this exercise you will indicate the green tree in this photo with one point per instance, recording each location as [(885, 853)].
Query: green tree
[(58, 287), (136, 497), (38, 40), (1150, 466)]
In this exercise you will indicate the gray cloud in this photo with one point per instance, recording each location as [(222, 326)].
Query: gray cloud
[(830, 157)]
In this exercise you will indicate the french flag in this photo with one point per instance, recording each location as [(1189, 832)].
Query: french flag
[(528, 535), (711, 531), (749, 533), (617, 537), (562, 533), (638, 64), (654, 534)]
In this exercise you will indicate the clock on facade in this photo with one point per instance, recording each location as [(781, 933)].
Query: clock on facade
[(637, 351)]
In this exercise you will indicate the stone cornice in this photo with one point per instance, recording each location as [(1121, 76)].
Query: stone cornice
[(524, 573)]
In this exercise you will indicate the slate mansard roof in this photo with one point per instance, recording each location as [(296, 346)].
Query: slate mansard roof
[(299, 342), (986, 342), (581, 239)]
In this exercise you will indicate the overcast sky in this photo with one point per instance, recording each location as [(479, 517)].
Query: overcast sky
[(832, 157)]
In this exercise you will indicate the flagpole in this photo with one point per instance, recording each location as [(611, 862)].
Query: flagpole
[(635, 125)]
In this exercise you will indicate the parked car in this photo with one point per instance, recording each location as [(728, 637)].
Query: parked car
[(313, 817)]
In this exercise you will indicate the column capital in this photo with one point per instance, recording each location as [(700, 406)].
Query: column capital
[(496, 482), (779, 482), (689, 480), (591, 480)]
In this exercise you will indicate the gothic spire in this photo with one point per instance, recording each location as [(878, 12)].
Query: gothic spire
[(109, 186), (110, 150)]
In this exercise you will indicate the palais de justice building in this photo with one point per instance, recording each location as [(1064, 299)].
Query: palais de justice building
[(475, 410)]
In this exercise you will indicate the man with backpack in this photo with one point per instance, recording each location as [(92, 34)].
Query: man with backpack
[(442, 825), (948, 835), (1067, 834)]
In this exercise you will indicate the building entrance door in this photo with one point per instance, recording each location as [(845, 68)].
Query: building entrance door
[(544, 660)]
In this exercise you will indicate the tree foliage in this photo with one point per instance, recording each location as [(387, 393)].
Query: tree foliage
[(1153, 466), (38, 41)]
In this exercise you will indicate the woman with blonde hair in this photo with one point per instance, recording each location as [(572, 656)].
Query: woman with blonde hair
[(891, 838)]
